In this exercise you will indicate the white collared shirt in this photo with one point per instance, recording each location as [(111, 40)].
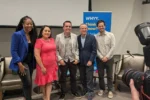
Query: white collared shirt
[(105, 45)]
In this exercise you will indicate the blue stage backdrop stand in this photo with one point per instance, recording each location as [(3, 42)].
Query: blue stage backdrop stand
[(90, 18)]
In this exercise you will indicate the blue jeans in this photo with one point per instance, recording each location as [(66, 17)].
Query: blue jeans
[(27, 81)]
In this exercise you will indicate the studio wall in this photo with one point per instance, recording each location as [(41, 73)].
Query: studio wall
[(126, 14)]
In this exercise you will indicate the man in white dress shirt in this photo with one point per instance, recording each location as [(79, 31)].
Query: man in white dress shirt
[(105, 47)]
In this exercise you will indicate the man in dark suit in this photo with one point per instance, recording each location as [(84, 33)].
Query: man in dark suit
[(87, 54)]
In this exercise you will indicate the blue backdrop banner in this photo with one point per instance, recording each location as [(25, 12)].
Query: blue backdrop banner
[(91, 18)]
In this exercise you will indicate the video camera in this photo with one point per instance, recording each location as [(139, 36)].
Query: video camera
[(141, 79)]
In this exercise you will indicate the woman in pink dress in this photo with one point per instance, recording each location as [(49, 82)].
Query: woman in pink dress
[(46, 67)]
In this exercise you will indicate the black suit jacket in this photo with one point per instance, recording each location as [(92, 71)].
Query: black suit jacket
[(88, 52)]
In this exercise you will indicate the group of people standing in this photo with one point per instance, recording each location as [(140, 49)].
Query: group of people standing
[(68, 51)]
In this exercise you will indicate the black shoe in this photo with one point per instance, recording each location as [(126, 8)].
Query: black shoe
[(90, 96), (77, 95), (62, 96), (84, 93)]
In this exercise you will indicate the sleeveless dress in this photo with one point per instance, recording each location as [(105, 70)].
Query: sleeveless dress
[(49, 60)]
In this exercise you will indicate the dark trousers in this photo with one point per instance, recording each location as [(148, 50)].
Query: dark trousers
[(63, 75), (27, 81), (108, 66), (86, 76)]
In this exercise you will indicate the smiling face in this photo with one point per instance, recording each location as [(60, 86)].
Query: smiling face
[(27, 25), (67, 27), (83, 29), (46, 33), (101, 27)]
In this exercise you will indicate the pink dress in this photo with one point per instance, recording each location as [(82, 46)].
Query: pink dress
[(49, 60)]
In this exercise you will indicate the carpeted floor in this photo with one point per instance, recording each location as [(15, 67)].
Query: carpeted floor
[(117, 96), (123, 95), (17, 95)]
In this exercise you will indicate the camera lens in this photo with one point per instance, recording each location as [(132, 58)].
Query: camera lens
[(135, 75)]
